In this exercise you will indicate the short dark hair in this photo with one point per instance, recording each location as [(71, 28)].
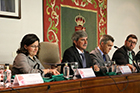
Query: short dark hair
[(132, 36), (27, 40), (106, 38)]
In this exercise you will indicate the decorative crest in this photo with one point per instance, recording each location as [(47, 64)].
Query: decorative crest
[(80, 20)]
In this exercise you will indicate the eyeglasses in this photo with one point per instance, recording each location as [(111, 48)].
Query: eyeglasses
[(35, 46), (130, 41)]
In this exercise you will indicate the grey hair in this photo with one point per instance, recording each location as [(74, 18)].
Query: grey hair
[(78, 34), (106, 38)]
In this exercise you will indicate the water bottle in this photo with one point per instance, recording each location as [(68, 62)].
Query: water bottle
[(114, 66), (66, 70), (7, 76), (1, 75)]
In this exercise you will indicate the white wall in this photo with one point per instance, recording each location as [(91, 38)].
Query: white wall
[(123, 19), (12, 30)]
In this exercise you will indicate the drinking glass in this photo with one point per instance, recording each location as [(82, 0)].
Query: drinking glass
[(74, 67), (118, 71), (138, 66), (107, 65), (138, 62)]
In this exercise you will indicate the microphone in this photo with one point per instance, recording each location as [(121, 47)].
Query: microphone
[(135, 64), (60, 64), (54, 64), (116, 47)]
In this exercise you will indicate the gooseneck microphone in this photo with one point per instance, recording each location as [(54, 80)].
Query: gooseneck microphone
[(135, 64), (116, 47)]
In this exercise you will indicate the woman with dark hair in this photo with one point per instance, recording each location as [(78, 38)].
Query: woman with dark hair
[(26, 60)]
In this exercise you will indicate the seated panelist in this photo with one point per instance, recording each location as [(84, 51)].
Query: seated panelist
[(125, 55), (26, 61), (77, 53), (138, 55), (100, 54)]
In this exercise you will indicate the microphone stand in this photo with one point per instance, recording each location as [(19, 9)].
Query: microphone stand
[(135, 64)]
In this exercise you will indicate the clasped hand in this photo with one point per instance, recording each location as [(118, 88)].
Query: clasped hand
[(52, 71)]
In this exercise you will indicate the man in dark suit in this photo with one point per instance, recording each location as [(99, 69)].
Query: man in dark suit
[(125, 55), (138, 55), (100, 54), (77, 53)]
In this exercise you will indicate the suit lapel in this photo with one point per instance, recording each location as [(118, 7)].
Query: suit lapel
[(125, 53), (107, 57), (99, 57), (78, 56), (99, 54)]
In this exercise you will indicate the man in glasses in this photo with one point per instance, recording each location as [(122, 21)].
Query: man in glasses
[(125, 55)]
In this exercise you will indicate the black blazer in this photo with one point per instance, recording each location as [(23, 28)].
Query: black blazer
[(138, 56), (121, 57), (72, 55)]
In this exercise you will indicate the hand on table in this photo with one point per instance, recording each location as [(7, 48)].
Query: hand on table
[(96, 68), (52, 71), (131, 67)]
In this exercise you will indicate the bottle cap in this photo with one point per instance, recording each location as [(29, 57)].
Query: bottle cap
[(66, 64), (6, 64), (76, 63)]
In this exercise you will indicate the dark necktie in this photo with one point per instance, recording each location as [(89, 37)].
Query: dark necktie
[(83, 60), (104, 57)]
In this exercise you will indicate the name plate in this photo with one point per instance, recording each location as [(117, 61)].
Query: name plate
[(125, 69), (86, 72), (27, 79)]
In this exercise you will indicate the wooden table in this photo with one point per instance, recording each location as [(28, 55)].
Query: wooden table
[(129, 83)]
